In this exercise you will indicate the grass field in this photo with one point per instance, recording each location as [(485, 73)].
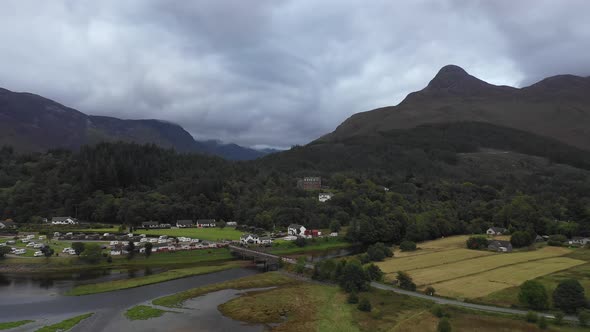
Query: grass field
[(110, 286), (255, 281), (12, 325), (207, 234), (64, 325), (143, 312), (457, 272)]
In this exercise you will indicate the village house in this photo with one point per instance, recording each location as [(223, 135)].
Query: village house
[(150, 224), (267, 241), (578, 241), (64, 221), (310, 183), (184, 223), (249, 239), (323, 197), (312, 233), (296, 230), (496, 231), (7, 224), (500, 246), (204, 223)]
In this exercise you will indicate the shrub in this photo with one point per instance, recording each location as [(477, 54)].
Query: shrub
[(569, 296), (353, 298), (430, 291), (533, 295), (521, 239), (353, 277), (558, 318), (301, 242), (374, 272), (405, 281), (364, 305), (542, 323), (444, 325), (439, 311), (364, 258), (78, 247), (378, 251), (477, 242), (407, 246), (531, 317), (584, 317)]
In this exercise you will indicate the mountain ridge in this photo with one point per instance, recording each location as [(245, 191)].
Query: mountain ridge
[(557, 107), (31, 122)]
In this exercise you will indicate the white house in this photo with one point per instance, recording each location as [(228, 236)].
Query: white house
[(231, 223), (296, 230), (7, 224), (496, 231), (249, 239), (266, 241), (184, 223), (323, 197), (206, 223), (578, 241), (64, 221)]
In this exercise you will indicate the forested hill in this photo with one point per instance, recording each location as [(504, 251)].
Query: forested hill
[(442, 180)]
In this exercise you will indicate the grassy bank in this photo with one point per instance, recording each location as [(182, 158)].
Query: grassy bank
[(282, 247), (143, 312), (64, 325), (12, 325), (62, 264), (255, 281), (110, 286)]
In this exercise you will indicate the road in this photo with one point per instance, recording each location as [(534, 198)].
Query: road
[(473, 306)]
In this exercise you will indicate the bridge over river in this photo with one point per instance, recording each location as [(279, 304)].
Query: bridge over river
[(270, 261)]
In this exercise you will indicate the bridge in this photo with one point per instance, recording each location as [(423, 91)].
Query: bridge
[(271, 262)]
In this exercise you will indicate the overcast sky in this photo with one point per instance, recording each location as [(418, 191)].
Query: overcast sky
[(275, 73)]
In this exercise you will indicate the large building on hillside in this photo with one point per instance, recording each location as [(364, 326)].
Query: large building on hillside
[(310, 183)]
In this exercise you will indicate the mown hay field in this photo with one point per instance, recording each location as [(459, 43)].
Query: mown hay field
[(454, 271), (488, 282)]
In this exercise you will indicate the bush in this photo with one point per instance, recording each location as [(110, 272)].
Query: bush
[(378, 251), (364, 258), (439, 311), (364, 305), (543, 323), (301, 242), (78, 247), (352, 277), (374, 272), (430, 291), (444, 325), (520, 239), (584, 318), (558, 318), (569, 296), (407, 246), (531, 317), (533, 295), (477, 242), (353, 298), (405, 281)]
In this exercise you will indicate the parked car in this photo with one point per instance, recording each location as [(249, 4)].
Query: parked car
[(31, 244), (66, 250), (19, 251), (38, 245), (38, 254)]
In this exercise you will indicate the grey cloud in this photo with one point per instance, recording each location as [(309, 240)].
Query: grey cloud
[(275, 73)]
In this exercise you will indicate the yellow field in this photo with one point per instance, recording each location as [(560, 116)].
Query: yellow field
[(510, 276), (455, 271), (429, 259)]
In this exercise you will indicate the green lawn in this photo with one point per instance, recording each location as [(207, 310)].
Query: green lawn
[(11, 325), (64, 325), (255, 281), (207, 234), (282, 247), (109, 286), (143, 312)]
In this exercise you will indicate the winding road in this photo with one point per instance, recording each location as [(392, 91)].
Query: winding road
[(480, 307)]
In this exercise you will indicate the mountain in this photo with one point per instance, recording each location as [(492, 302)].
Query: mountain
[(556, 107), (29, 122)]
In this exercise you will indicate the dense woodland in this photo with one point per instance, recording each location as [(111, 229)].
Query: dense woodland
[(442, 180)]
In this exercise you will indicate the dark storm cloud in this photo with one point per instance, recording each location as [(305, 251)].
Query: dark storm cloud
[(275, 72)]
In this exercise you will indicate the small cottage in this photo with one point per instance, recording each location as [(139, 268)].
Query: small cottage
[(493, 231), (296, 230)]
